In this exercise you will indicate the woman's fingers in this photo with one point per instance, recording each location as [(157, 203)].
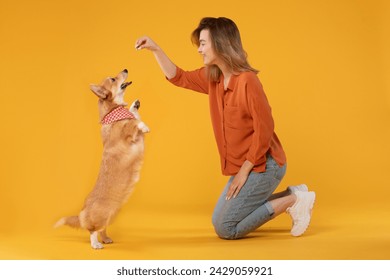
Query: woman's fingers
[(145, 43), (233, 191), (140, 43), (236, 185)]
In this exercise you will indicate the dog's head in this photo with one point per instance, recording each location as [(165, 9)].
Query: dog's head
[(112, 89)]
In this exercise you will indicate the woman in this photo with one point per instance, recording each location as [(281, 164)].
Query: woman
[(249, 149)]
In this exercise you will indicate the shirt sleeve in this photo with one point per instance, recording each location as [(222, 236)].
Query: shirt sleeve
[(263, 123), (195, 80)]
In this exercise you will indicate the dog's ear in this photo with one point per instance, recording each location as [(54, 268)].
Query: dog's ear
[(99, 91)]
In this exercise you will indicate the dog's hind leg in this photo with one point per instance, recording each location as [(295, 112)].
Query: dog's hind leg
[(95, 244), (105, 239)]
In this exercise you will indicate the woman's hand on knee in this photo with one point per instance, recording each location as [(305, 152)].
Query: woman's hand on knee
[(239, 180), (236, 185)]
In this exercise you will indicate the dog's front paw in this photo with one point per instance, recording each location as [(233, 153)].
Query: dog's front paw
[(134, 109), (143, 127), (135, 106)]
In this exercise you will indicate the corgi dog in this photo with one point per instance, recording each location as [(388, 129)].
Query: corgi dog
[(122, 133)]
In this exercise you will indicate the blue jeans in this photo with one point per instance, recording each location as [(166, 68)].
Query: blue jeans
[(235, 218)]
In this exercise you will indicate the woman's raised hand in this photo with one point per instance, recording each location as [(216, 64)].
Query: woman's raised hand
[(146, 42)]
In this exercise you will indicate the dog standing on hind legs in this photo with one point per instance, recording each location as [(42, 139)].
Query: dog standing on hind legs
[(123, 149)]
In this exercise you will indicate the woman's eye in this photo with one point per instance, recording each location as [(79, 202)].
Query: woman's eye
[(112, 79)]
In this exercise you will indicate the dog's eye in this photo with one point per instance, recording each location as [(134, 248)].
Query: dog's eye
[(112, 79)]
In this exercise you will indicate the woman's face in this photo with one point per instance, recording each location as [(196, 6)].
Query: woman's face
[(206, 48)]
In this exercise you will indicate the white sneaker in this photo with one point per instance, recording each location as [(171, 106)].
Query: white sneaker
[(300, 212), (301, 188)]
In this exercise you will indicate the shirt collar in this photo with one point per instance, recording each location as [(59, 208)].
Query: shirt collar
[(232, 81)]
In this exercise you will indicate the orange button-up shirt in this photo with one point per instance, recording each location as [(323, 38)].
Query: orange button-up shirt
[(241, 118)]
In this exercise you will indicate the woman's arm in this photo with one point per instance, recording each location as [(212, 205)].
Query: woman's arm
[(166, 65), (195, 80)]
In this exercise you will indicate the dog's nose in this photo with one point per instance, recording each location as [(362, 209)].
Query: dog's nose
[(125, 70)]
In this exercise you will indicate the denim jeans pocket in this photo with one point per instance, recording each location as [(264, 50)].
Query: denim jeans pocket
[(272, 167), (280, 172)]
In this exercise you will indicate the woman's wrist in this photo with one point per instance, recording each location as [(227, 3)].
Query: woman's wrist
[(247, 167)]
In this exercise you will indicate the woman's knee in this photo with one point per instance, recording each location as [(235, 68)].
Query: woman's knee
[(225, 230)]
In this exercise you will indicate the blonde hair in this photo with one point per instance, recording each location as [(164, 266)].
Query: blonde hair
[(226, 42)]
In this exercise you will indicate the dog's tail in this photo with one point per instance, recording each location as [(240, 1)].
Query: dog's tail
[(72, 221)]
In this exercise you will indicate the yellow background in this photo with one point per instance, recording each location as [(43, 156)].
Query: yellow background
[(325, 66)]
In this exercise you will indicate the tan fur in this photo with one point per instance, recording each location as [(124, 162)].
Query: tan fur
[(123, 150)]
